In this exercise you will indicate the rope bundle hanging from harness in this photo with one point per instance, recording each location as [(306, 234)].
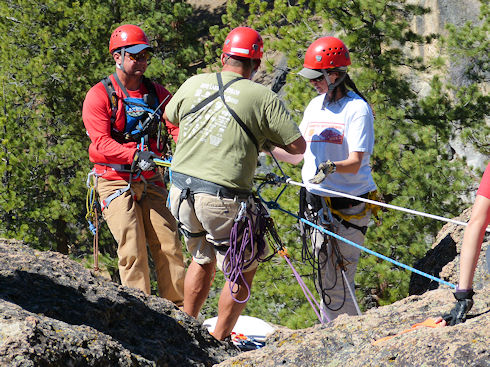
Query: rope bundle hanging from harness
[(249, 229), (314, 209), (92, 216)]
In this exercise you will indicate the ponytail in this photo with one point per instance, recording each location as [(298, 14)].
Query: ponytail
[(348, 81)]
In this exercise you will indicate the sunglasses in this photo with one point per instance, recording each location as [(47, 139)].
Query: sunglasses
[(142, 56), (318, 79)]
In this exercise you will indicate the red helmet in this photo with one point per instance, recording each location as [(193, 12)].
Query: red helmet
[(244, 42), (325, 53), (128, 35)]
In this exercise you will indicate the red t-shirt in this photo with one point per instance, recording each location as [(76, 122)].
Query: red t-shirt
[(484, 189), (96, 116)]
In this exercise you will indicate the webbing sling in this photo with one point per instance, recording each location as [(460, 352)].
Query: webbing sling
[(233, 113), (347, 224), (107, 83), (220, 93)]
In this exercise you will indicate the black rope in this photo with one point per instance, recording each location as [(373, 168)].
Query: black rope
[(318, 261), (307, 252)]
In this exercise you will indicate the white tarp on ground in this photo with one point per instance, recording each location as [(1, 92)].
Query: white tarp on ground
[(252, 327)]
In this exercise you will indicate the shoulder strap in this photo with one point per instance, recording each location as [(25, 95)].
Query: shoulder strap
[(152, 93), (120, 84), (210, 98), (233, 113), (111, 93)]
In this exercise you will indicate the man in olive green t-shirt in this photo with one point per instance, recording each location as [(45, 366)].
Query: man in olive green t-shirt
[(219, 140)]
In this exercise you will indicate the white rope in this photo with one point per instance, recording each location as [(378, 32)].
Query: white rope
[(289, 181)]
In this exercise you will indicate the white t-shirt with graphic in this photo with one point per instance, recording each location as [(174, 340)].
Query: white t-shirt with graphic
[(331, 133)]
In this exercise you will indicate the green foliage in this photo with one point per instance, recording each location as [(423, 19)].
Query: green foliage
[(51, 53), (468, 47)]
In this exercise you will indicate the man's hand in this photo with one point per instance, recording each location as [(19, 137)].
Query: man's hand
[(461, 309), (143, 160), (324, 169)]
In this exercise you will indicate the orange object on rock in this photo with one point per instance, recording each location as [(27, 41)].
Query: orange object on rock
[(432, 323)]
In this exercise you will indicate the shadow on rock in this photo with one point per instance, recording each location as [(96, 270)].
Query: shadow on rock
[(125, 318), (432, 263), (65, 314)]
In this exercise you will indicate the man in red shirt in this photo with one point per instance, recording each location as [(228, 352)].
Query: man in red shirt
[(122, 115)]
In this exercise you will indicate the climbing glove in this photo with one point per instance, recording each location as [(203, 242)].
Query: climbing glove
[(143, 160), (461, 309), (324, 169)]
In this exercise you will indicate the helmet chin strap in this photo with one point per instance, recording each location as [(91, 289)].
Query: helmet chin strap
[(121, 65), (331, 86)]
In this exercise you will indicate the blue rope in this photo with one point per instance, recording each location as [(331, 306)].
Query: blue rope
[(275, 205)]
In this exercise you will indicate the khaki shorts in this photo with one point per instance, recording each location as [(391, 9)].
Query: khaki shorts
[(215, 216)]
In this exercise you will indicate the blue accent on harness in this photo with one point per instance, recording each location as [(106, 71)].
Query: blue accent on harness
[(137, 111)]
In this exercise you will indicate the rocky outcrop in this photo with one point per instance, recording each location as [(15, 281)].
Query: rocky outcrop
[(54, 312), (351, 341), (442, 260), (444, 12), (348, 341)]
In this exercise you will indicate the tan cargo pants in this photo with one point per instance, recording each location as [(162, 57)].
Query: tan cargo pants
[(137, 221)]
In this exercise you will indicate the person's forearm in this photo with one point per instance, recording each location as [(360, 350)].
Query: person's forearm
[(282, 155), (470, 251), (351, 164)]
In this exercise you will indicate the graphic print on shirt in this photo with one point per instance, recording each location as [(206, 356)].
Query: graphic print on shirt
[(210, 126), (136, 111), (325, 132)]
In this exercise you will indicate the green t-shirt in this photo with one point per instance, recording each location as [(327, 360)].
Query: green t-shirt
[(211, 145)]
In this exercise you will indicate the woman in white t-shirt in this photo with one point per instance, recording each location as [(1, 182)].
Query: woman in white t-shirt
[(338, 128)]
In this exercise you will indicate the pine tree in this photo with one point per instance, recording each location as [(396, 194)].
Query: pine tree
[(51, 53)]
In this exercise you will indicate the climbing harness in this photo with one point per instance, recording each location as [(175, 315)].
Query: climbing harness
[(288, 181), (275, 180), (190, 186), (315, 209), (274, 205), (143, 115), (336, 204), (142, 121), (248, 228)]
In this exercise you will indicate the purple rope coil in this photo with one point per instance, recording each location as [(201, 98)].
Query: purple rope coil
[(244, 234)]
